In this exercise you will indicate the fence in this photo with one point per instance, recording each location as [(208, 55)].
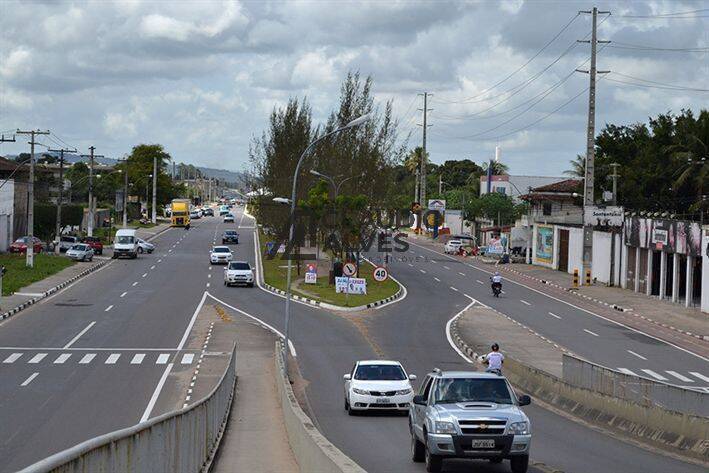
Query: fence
[(185, 440), (643, 391)]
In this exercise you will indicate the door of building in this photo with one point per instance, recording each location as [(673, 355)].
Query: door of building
[(563, 256), (642, 272), (630, 268)]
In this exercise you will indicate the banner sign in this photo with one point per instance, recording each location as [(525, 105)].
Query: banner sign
[(437, 204), (495, 246), (311, 278), (351, 285), (545, 244), (676, 236), (603, 216)]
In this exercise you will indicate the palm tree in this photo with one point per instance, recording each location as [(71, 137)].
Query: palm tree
[(693, 169), (578, 167), (498, 168), (414, 158)]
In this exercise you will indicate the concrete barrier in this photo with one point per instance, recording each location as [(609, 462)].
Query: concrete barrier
[(313, 452)]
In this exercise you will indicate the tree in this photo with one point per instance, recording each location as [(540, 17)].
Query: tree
[(413, 159), (498, 168), (578, 167), (495, 206), (78, 177)]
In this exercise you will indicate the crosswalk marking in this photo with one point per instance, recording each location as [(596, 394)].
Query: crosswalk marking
[(112, 358), (12, 358), (62, 358), (627, 371), (137, 359), (162, 359), (700, 376), (87, 358), (680, 376), (655, 375), (187, 358), (37, 358), (29, 380)]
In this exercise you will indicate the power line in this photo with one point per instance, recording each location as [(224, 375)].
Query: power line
[(669, 16), (620, 45), (655, 83), (649, 86)]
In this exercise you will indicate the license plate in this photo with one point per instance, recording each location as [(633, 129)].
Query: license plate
[(383, 400), (483, 443)]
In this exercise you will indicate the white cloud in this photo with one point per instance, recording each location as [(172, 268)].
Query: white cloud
[(17, 63)]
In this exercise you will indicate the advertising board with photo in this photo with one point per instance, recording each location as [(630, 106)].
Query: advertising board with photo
[(545, 244), (672, 236)]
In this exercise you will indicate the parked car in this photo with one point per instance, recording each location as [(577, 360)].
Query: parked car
[(239, 272), (230, 236), (469, 414), (20, 245), (452, 246), (80, 252), (220, 255), (228, 218), (125, 243), (208, 212), (145, 247), (95, 244), (67, 241), (194, 215), (377, 385)]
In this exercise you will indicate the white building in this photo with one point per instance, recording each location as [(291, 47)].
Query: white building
[(515, 186)]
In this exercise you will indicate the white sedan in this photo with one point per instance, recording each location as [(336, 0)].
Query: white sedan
[(220, 255), (378, 384), (239, 272), (228, 218), (452, 246)]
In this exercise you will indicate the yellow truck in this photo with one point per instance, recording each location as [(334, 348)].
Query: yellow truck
[(180, 212)]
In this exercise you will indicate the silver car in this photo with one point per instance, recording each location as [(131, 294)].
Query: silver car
[(145, 247), (80, 252)]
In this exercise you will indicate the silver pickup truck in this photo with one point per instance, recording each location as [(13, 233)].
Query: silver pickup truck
[(468, 414)]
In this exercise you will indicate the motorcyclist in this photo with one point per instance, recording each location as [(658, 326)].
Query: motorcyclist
[(494, 360), (496, 281)]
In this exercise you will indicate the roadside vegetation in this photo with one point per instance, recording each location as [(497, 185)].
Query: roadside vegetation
[(18, 275)]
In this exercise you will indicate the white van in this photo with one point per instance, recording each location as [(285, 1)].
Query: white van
[(125, 243)]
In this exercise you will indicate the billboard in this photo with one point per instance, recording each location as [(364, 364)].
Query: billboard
[(672, 236), (545, 244), (603, 216)]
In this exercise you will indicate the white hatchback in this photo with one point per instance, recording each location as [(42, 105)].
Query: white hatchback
[(220, 255), (378, 384), (452, 246)]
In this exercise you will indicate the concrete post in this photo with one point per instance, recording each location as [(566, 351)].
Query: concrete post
[(688, 286), (648, 276), (705, 270), (636, 288), (675, 278), (663, 274)]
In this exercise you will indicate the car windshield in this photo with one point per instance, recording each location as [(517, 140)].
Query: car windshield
[(230, 232), (78, 247), (450, 390), (22, 240), (72, 239), (379, 373), (221, 249), (124, 239), (239, 266), (455, 242)]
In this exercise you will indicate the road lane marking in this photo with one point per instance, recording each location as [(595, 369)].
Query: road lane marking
[(445, 267), (123, 295), (137, 359), (159, 261), (187, 358), (456, 290), (135, 283), (29, 380), (156, 394), (422, 271), (12, 358), (37, 358), (411, 265), (209, 276), (207, 284), (152, 267), (62, 358), (554, 315), (635, 354), (700, 376), (524, 302), (479, 281), (448, 329), (592, 333), (437, 280), (73, 340), (680, 376), (654, 375), (108, 308), (112, 358), (462, 274), (627, 371), (87, 358), (144, 274), (162, 359)]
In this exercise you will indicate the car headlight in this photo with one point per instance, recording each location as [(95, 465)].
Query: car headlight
[(442, 427), (518, 428), (403, 391), (360, 391)]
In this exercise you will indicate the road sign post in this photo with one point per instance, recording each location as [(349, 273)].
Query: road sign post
[(380, 274)]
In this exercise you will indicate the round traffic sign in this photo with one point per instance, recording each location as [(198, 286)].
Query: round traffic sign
[(349, 269), (380, 274)]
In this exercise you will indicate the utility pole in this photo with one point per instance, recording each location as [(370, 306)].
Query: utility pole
[(417, 196), (588, 197), (30, 196), (125, 195), (154, 215), (440, 184), (60, 198), (91, 156), (7, 140), (425, 110), (615, 177)]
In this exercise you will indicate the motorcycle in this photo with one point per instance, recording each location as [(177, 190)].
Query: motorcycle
[(496, 371), (496, 289)]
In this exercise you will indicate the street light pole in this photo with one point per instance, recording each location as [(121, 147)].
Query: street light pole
[(353, 123), (154, 216), (125, 195)]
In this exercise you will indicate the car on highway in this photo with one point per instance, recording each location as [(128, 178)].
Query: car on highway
[(125, 243), (208, 212), (144, 246), (95, 243), (378, 385), (452, 246), (228, 218), (239, 272), (195, 214), (469, 414), (20, 245), (223, 210), (220, 255), (230, 236), (80, 252)]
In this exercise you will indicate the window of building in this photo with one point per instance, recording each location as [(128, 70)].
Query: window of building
[(546, 208)]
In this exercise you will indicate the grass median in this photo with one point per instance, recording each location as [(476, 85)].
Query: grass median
[(18, 275), (275, 274)]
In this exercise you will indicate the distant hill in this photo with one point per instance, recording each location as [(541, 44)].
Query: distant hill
[(222, 174)]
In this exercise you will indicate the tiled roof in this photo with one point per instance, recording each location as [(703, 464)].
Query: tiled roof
[(568, 185)]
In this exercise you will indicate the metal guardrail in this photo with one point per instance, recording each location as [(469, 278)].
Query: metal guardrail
[(184, 440), (644, 391)]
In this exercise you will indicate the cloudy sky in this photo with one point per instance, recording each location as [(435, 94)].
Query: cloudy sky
[(201, 77)]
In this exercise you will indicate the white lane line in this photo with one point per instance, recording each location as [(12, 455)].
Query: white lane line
[(422, 271), (12, 358), (207, 284), (156, 394), (87, 358), (437, 280), (37, 358), (454, 289), (187, 358), (700, 376), (479, 281), (159, 261), (210, 267), (445, 267), (462, 274), (524, 302), (169, 251), (137, 359), (73, 340), (162, 358), (209, 276), (124, 294), (448, 329), (135, 283), (554, 315), (108, 308), (62, 358), (627, 371), (655, 375), (411, 265), (592, 333), (144, 274), (636, 354), (112, 358), (29, 380), (681, 377), (152, 267)]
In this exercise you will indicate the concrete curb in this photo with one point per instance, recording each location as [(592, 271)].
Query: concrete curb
[(312, 450), (49, 292), (672, 432)]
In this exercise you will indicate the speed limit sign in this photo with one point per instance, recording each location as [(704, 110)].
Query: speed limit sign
[(349, 269), (380, 273)]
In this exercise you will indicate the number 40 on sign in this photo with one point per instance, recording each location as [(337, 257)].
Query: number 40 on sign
[(380, 274)]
